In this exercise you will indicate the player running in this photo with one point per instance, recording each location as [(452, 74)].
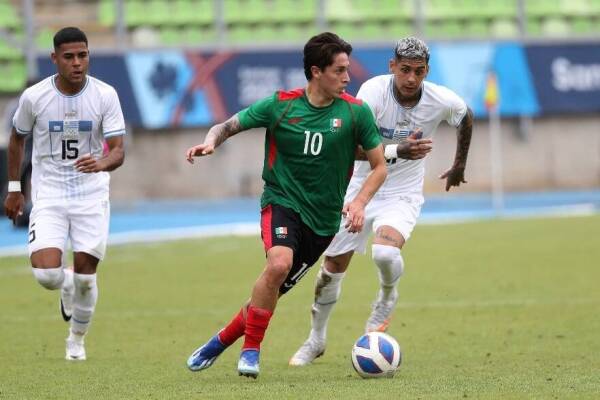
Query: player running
[(310, 144), (407, 111)]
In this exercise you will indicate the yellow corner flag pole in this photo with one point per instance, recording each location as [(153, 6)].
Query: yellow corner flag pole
[(492, 103)]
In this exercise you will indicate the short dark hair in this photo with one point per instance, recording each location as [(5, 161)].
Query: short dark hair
[(69, 35), (321, 49)]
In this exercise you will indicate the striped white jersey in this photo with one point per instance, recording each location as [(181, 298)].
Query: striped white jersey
[(395, 123), (65, 128)]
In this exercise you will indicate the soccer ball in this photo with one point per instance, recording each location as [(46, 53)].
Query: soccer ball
[(376, 355)]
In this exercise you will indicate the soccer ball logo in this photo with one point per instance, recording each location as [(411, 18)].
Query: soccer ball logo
[(376, 355)]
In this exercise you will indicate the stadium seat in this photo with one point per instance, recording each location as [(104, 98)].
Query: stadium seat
[(375, 31), (444, 29), (594, 7), (107, 12), (477, 27), (296, 33), (197, 36), (9, 17), (8, 51), (575, 7), (295, 11), (158, 13), (171, 36), (341, 11), (441, 9), (398, 30), (190, 12), (240, 34), (135, 13), (244, 11), (490, 8), (44, 40), (542, 8), (384, 10), (555, 27), (582, 26), (347, 30), (145, 36), (12, 76), (504, 28), (533, 27)]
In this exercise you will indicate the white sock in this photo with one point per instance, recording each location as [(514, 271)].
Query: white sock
[(327, 291), (68, 283), (84, 302), (50, 278), (390, 267)]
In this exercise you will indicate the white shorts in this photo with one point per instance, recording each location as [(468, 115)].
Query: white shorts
[(400, 211), (83, 222)]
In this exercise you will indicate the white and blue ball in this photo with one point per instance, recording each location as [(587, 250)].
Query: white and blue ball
[(376, 355)]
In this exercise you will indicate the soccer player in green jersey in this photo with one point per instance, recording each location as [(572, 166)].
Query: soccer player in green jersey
[(311, 138)]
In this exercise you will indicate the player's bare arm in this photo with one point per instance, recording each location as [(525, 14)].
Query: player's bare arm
[(113, 160), (456, 174), (13, 204), (359, 153), (214, 138), (355, 210)]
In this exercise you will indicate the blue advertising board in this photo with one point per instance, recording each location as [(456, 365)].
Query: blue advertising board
[(163, 89), (566, 77)]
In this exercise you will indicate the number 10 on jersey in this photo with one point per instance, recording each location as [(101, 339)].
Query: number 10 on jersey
[(313, 142)]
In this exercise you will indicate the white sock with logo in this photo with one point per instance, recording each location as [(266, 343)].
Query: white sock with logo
[(327, 291), (84, 303)]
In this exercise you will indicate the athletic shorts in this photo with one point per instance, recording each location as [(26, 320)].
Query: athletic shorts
[(281, 226), (399, 211), (83, 222)]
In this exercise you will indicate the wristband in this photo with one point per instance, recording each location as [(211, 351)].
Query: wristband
[(14, 186), (391, 151)]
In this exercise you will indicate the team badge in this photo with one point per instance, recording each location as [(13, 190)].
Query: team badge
[(335, 124), (281, 232)]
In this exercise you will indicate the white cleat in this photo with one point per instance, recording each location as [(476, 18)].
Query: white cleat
[(381, 315), (66, 296), (307, 353), (75, 351)]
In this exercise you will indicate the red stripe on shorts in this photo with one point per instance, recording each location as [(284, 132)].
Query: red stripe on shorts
[(266, 215)]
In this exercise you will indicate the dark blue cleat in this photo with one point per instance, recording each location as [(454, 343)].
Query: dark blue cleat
[(248, 364), (205, 355)]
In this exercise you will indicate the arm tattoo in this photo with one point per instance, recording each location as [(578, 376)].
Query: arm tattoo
[(463, 139), (221, 132)]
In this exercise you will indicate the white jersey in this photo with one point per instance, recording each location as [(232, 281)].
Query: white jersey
[(65, 128), (396, 122)]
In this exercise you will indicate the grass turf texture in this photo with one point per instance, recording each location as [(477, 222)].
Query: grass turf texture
[(488, 310)]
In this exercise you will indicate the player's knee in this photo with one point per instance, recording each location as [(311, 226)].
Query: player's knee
[(278, 269), (337, 264), (50, 278), (388, 259)]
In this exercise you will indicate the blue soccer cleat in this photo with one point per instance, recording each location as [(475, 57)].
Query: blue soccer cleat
[(248, 364), (205, 355)]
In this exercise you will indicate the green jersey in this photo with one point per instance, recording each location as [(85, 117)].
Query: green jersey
[(309, 152)]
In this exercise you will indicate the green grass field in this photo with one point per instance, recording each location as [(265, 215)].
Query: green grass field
[(488, 310)]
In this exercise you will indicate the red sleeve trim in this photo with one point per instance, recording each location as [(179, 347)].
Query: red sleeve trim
[(351, 99), (283, 95)]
